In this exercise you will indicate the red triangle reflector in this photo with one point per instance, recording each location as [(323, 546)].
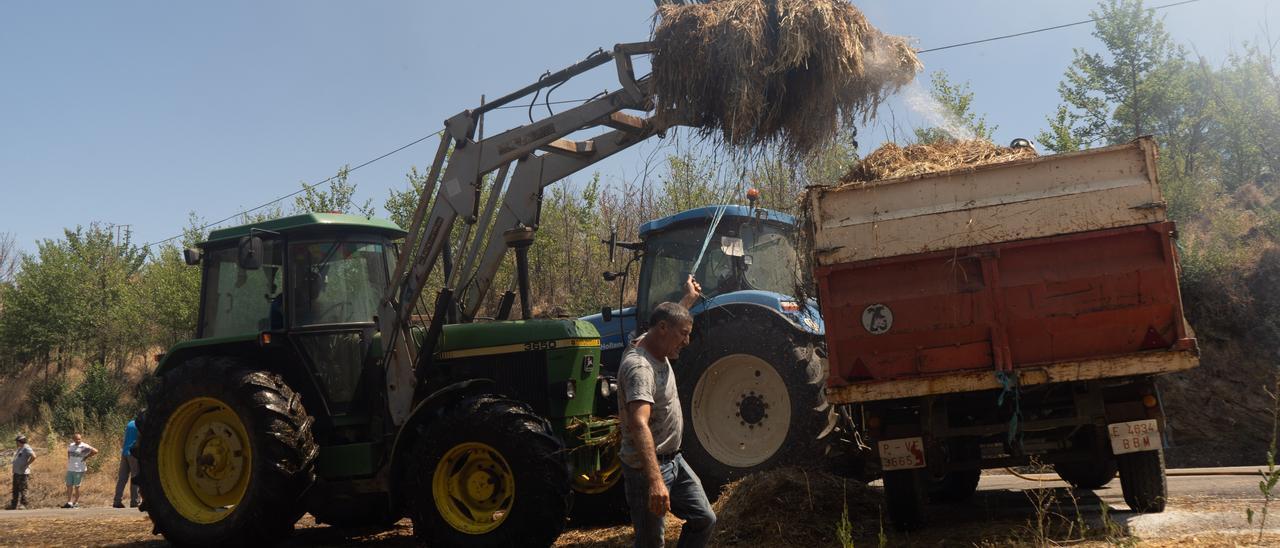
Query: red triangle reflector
[(1153, 340)]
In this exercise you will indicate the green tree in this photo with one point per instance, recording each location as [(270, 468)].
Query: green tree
[(955, 101), (337, 196), (1115, 97), (401, 204)]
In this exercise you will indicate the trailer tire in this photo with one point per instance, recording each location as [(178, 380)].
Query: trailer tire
[(1142, 480), (955, 486), (905, 495), (256, 455), (753, 399), (490, 472), (1087, 475)]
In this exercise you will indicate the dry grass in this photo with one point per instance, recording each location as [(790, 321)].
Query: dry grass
[(891, 161), (760, 72)]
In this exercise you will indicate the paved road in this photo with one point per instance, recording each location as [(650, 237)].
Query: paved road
[(1200, 500)]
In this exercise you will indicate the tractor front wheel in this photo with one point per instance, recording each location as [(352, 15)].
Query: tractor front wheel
[(489, 473), (225, 455), (753, 399)]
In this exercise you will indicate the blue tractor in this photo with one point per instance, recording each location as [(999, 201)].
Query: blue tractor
[(751, 380)]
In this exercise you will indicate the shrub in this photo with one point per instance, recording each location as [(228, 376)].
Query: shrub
[(47, 391)]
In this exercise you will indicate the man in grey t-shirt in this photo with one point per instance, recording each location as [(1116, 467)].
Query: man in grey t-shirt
[(22, 460), (657, 479)]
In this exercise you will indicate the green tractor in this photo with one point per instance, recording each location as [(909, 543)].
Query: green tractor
[(277, 407), (319, 380)]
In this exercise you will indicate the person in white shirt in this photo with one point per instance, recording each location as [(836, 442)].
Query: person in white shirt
[(77, 453)]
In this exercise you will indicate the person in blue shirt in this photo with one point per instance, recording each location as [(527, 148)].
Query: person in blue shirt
[(128, 469)]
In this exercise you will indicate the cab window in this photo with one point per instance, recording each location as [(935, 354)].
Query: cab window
[(239, 301)]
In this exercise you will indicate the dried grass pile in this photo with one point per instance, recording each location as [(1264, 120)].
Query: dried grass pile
[(762, 72), (892, 161), (793, 507)]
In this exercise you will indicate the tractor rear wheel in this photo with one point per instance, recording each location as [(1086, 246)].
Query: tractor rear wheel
[(753, 399), (225, 456), (489, 473)]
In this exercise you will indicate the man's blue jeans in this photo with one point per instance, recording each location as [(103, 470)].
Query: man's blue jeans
[(688, 502)]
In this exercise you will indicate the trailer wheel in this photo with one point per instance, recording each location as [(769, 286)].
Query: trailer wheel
[(905, 495), (1087, 475), (1142, 480), (753, 398), (489, 473), (225, 456), (955, 486)]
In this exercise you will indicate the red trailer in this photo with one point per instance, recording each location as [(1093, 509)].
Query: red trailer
[(1002, 315)]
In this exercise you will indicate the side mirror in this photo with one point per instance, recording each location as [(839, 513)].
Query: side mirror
[(606, 313), (250, 253), (191, 255)]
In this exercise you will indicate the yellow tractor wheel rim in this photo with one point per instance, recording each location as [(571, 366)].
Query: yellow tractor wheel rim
[(205, 460), (473, 488), (599, 481)]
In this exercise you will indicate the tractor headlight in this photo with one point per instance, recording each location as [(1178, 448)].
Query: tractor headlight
[(570, 389), (608, 387)]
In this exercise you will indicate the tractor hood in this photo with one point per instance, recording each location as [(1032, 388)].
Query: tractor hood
[(467, 336)]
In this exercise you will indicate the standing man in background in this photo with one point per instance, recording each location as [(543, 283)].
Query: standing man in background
[(21, 473), (77, 453), (128, 472), (657, 479)]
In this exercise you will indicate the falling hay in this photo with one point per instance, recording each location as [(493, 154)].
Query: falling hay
[(891, 161), (762, 72)]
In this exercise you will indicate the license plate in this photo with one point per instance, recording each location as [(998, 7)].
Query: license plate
[(902, 454), (1134, 436)]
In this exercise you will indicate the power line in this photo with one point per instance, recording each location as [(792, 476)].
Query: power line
[(1045, 29), (305, 187)]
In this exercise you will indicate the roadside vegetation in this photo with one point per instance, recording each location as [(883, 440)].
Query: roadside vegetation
[(82, 316)]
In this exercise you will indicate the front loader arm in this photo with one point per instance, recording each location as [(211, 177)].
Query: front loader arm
[(459, 188)]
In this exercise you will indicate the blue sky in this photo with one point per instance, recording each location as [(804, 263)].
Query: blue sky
[(137, 112)]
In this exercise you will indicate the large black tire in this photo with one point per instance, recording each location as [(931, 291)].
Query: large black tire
[(1087, 475), (601, 509), (905, 495), (955, 486), (592, 507), (1142, 480), (534, 459), (753, 395), (276, 429)]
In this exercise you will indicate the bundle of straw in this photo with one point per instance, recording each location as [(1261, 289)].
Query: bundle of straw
[(760, 72), (891, 161)]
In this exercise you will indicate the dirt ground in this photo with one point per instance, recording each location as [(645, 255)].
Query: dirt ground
[(131, 529), (802, 509)]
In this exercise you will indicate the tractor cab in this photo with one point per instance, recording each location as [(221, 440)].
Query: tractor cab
[(748, 256), (311, 281), (747, 251)]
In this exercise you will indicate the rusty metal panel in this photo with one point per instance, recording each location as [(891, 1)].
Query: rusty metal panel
[(1031, 198), (1027, 304)]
